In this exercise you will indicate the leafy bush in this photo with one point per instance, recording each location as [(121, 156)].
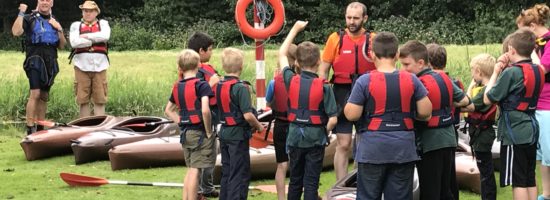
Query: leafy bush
[(9, 42)]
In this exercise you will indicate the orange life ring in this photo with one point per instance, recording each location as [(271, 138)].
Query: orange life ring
[(250, 31)]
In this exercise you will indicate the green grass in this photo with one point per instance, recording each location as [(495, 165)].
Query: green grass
[(138, 81)]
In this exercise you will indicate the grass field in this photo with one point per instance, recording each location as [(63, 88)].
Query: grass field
[(138, 81)]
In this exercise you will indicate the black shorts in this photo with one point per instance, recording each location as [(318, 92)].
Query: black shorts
[(519, 163), (280, 132), (41, 72), (341, 95)]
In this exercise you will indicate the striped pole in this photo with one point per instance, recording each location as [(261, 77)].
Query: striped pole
[(260, 64)]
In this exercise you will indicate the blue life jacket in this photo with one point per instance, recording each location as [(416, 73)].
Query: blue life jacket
[(43, 32)]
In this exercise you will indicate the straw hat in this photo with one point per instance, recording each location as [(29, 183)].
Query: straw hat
[(90, 5)]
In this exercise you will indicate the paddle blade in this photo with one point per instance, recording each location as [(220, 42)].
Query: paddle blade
[(46, 123), (267, 188), (77, 180)]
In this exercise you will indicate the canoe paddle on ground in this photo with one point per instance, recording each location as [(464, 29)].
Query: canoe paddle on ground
[(145, 124), (77, 180)]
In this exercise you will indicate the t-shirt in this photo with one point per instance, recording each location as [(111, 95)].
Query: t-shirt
[(429, 139), (481, 141), (240, 96), (330, 52), (42, 51), (270, 93), (544, 98), (510, 81), (310, 136), (380, 147), (202, 89)]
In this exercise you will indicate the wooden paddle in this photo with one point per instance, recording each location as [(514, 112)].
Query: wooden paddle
[(77, 180)]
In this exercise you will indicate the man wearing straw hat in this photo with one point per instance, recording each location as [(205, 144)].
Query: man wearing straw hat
[(43, 36), (88, 39)]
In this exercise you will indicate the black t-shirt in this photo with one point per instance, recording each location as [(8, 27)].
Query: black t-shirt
[(42, 51)]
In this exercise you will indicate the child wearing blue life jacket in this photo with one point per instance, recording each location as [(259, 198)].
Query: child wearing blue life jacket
[(188, 106), (515, 85)]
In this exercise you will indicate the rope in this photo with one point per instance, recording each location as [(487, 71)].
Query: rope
[(264, 13)]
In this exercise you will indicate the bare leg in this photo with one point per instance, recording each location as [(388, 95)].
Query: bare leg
[(190, 184), (280, 176), (532, 193), (545, 176), (341, 157), (34, 97), (42, 105), (522, 193), (85, 110), (99, 109)]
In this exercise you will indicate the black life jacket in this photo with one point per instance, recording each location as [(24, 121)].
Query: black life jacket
[(440, 93), (187, 101), (306, 101)]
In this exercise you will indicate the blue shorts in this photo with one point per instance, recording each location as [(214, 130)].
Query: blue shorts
[(543, 150)]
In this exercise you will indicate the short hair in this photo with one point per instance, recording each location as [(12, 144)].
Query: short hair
[(537, 14), (358, 5), (188, 60), (385, 45), (232, 60), (307, 54), (485, 63), (415, 49), (437, 56), (200, 40), (523, 41), (505, 44)]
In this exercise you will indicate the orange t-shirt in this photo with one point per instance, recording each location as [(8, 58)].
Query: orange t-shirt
[(331, 47)]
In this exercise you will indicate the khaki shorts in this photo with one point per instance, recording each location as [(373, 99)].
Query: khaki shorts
[(199, 155), (90, 85)]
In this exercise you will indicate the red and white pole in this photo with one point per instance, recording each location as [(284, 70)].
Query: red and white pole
[(260, 64)]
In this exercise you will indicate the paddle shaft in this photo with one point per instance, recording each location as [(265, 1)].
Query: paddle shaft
[(159, 184), (146, 184)]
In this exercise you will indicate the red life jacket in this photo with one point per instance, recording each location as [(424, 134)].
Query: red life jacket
[(525, 100), (207, 72), (539, 49), (185, 97), (456, 111), (100, 47), (390, 102), (280, 96), (229, 112), (350, 62), (482, 120), (305, 101), (440, 93)]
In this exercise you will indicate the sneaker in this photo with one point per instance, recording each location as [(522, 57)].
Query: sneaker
[(201, 197), (213, 194), (542, 198), (31, 130)]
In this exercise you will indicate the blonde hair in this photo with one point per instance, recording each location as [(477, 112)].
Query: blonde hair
[(232, 60), (485, 63), (537, 14), (188, 59)]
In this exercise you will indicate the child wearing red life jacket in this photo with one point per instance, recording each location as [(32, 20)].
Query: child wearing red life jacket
[(437, 56), (277, 99), (516, 84), (386, 102), (202, 43), (312, 114), (436, 139), (480, 122), (238, 121), (188, 106)]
